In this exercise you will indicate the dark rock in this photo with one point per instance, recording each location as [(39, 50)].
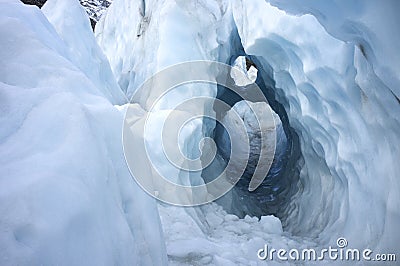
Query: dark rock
[(94, 8), (93, 23), (38, 3), (250, 63)]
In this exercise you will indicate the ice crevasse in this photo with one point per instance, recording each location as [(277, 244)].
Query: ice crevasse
[(66, 194)]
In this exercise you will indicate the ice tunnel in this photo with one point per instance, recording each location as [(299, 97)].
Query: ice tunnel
[(324, 88), (329, 77)]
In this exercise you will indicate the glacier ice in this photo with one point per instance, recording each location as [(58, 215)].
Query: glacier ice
[(322, 81), (262, 134), (66, 195), (155, 31), (330, 70), (317, 73), (369, 25), (251, 73), (275, 145), (67, 17)]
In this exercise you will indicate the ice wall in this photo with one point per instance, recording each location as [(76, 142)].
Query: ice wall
[(151, 37), (66, 195), (370, 25), (342, 105), (73, 26)]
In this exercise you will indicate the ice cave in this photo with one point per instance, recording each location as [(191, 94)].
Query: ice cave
[(282, 149)]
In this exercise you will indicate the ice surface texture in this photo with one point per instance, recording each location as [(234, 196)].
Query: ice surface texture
[(343, 108), (66, 196)]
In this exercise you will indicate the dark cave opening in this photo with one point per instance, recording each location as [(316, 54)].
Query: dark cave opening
[(272, 197)]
